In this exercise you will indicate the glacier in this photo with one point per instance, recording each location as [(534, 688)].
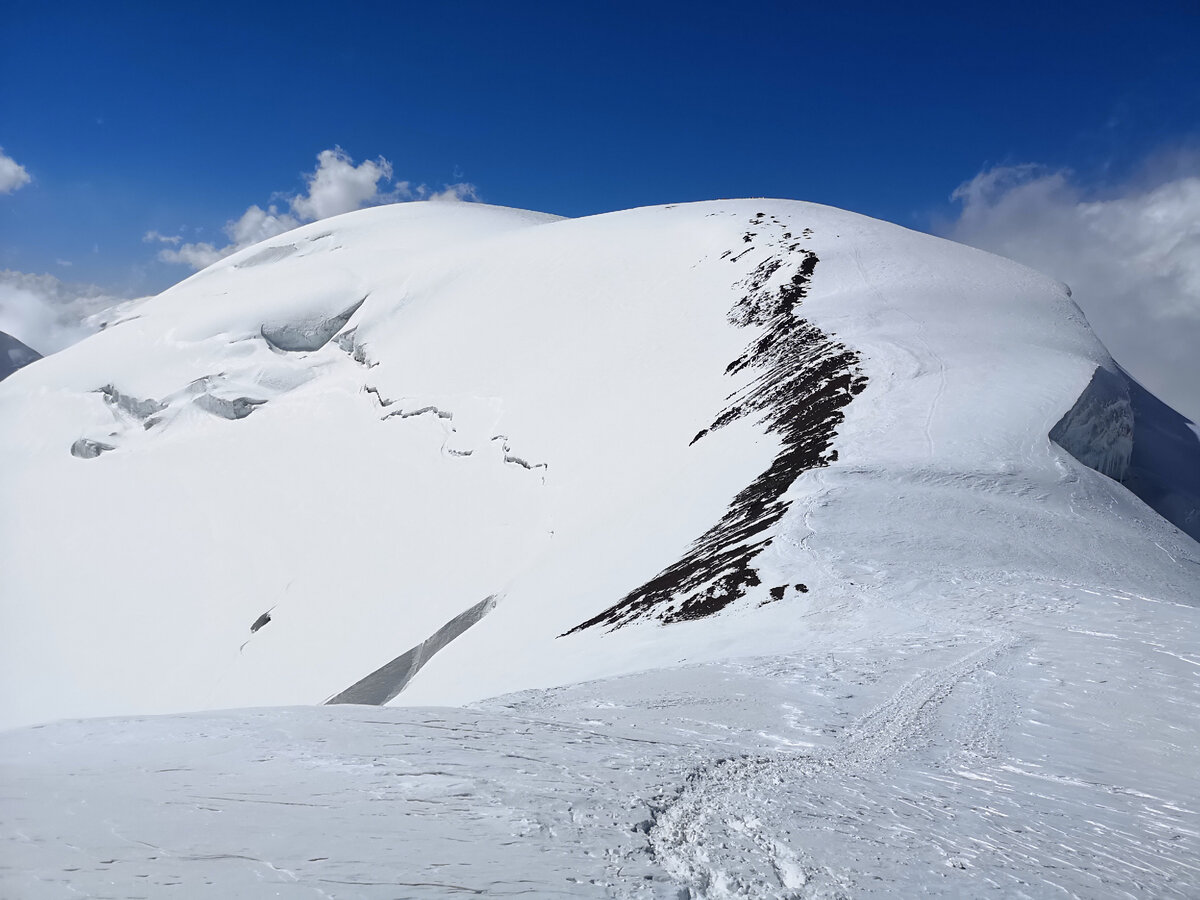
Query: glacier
[(743, 548)]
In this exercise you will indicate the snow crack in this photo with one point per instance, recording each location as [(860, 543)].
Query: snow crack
[(422, 411)]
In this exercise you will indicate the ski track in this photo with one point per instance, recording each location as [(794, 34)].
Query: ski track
[(713, 839), (918, 763)]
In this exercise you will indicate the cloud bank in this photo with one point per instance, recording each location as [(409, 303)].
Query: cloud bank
[(1131, 257), (12, 174), (336, 186), (48, 314)]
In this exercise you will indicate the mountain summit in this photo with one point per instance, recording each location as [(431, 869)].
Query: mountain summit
[(750, 549), (356, 433)]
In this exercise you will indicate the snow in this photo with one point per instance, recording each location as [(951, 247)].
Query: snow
[(953, 765), (429, 440)]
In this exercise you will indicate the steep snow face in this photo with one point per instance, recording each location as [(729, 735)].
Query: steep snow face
[(1164, 467), (663, 434), (14, 355), (1121, 430), (1098, 429)]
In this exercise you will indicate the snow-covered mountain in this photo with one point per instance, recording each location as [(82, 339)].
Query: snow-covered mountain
[(14, 355), (742, 505)]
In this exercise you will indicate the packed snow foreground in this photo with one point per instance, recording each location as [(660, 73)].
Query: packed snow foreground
[(732, 549)]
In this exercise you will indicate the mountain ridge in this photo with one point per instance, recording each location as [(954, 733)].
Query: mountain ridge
[(529, 392), (869, 616)]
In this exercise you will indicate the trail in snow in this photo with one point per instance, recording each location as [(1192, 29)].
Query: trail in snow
[(924, 759), (717, 837)]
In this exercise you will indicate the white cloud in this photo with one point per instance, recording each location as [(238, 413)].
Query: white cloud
[(338, 186), (48, 314), (12, 174), (258, 224), (461, 192), (334, 187), (255, 224), (198, 255), (1131, 257)]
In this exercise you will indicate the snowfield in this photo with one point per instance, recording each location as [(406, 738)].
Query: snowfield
[(735, 549)]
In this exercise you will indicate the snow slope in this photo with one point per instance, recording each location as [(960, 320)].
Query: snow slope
[(437, 453), (908, 763)]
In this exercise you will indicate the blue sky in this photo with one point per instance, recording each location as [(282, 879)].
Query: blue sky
[(139, 116), (132, 118)]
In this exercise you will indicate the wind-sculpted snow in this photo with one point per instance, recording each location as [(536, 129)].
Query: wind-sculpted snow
[(310, 335), (802, 381), (86, 448), (137, 408), (127, 412), (228, 407), (217, 395)]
